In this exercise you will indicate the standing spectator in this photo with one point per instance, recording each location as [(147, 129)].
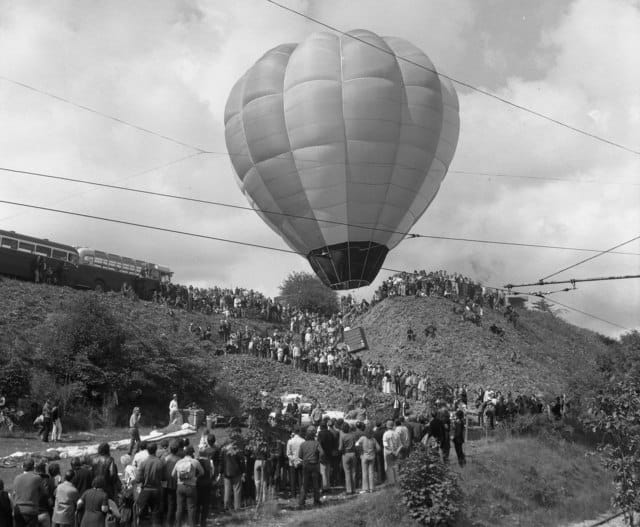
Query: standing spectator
[(134, 431), (66, 497), (45, 505), (392, 445), (56, 433), (458, 437), (104, 467), (149, 475), (309, 453), (169, 483), (204, 483), (295, 464), (94, 504), (6, 515), (233, 471), (28, 490), (46, 421), (405, 440), (377, 435), (83, 475), (329, 445), (141, 455), (173, 408), (186, 472), (369, 449), (347, 446)]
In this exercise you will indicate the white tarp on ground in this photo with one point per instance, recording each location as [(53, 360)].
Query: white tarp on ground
[(64, 452)]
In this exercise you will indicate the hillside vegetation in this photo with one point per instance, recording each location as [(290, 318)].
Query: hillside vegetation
[(542, 354), (57, 340)]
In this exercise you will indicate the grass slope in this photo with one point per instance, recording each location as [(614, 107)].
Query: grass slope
[(543, 354)]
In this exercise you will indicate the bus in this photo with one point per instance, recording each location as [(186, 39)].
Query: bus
[(103, 271), (26, 257), (39, 259)]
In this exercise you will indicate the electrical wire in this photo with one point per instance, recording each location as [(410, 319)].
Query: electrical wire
[(459, 82), (543, 178), (298, 158), (150, 227), (102, 114), (591, 258), (226, 240), (127, 178), (553, 301), (309, 218)]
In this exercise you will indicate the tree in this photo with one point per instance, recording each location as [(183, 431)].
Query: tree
[(306, 292), (615, 412)]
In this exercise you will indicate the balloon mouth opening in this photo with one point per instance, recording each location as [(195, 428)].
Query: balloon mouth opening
[(348, 265)]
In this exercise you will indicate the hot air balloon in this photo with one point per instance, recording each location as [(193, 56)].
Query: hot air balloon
[(340, 144)]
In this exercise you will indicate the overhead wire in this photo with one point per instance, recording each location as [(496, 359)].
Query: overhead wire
[(591, 257), (459, 82), (308, 218), (103, 114), (225, 240), (554, 301), (127, 178), (149, 227), (542, 178)]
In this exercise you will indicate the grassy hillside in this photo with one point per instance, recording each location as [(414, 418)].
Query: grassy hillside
[(542, 354)]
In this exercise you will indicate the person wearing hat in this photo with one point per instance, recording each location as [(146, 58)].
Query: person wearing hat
[(391, 446), (134, 432)]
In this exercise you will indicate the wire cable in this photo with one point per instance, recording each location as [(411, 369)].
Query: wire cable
[(543, 178), (588, 314), (591, 258), (102, 114), (225, 240), (129, 177), (461, 83), (309, 218), (150, 227)]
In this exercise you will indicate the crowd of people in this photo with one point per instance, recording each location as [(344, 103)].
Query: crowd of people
[(174, 482)]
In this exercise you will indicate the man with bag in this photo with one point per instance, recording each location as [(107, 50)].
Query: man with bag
[(186, 472)]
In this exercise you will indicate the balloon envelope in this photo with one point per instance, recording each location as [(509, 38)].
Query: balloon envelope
[(340, 144)]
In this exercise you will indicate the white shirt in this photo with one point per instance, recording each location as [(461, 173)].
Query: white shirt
[(293, 445), (391, 442)]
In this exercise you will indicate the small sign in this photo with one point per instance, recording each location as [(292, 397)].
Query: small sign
[(355, 340)]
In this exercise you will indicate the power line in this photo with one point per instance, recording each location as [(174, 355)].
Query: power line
[(150, 227), (543, 178), (225, 240), (591, 258), (573, 281), (461, 83), (226, 153), (276, 213), (588, 314), (102, 114), (129, 177)]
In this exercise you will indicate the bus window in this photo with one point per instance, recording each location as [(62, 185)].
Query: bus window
[(9, 243), (26, 247), (44, 251), (59, 255)]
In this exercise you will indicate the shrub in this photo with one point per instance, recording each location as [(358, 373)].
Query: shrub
[(430, 489)]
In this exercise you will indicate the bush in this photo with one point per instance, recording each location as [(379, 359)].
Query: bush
[(430, 489)]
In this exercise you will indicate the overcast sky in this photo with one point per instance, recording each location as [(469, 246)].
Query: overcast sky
[(168, 66)]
